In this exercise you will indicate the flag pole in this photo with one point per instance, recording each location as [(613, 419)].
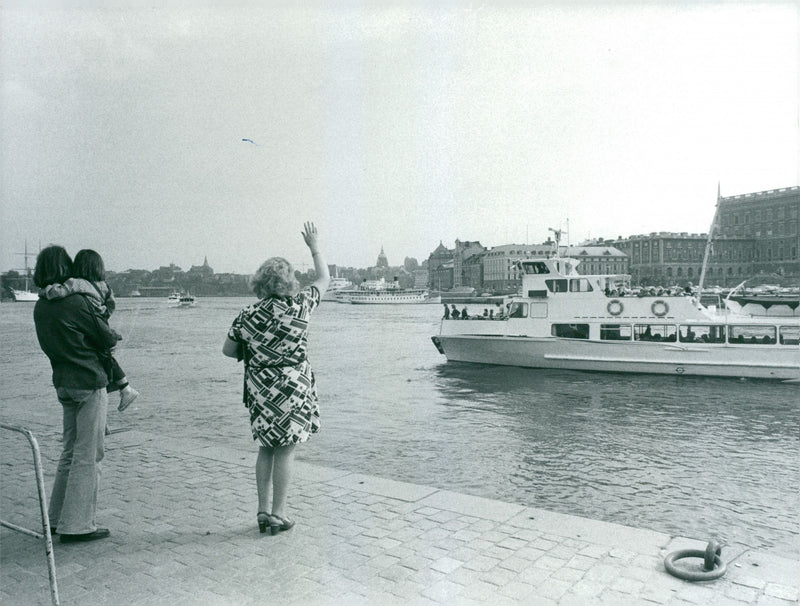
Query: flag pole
[(708, 245)]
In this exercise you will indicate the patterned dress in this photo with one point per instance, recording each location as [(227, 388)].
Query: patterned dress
[(279, 391)]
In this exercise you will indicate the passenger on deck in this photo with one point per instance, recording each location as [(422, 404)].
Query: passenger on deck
[(446, 312), (464, 314), (454, 312)]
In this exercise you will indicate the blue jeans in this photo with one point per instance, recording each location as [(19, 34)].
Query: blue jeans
[(73, 502)]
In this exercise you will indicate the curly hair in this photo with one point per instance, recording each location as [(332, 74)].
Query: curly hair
[(275, 278)]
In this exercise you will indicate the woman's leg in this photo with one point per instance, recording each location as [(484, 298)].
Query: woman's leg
[(282, 477), (264, 464)]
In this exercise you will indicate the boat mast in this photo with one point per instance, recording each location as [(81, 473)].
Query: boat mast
[(708, 244)]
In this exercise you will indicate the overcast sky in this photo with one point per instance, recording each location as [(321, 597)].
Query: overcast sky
[(390, 125)]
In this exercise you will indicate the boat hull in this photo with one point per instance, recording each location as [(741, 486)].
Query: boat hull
[(25, 296), (377, 300), (724, 360)]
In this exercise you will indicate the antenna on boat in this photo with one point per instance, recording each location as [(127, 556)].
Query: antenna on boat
[(707, 253), (557, 236)]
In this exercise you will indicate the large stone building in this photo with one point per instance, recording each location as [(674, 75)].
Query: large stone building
[(756, 238), (664, 258)]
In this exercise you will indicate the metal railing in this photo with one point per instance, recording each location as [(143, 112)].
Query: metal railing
[(45, 534)]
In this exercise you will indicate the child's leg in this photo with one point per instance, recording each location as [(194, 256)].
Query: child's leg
[(127, 394), (117, 380)]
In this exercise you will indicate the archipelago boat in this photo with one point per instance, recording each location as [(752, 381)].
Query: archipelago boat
[(566, 320), (393, 296), (381, 293), (336, 285)]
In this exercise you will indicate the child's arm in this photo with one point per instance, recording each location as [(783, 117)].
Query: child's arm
[(59, 291)]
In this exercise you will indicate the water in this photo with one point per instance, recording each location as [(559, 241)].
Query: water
[(687, 456)]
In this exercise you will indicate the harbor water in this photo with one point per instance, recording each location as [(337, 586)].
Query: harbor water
[(698, 457)]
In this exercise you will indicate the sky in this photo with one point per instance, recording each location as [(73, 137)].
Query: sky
[(397, 125)]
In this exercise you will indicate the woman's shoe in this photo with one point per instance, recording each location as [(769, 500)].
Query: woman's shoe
[(263, 521), (278, 524)]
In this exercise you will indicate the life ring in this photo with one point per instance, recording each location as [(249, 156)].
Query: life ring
[(659, 308), (713, 565), (615, 307)]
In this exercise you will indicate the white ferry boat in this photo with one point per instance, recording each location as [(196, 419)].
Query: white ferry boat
[(566, 320), (179, 299), (335, 286), (392, 296)]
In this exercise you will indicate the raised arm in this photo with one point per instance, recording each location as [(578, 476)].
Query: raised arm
[(320, 267)]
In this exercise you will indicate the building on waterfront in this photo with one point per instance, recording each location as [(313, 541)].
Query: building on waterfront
[(755, 238), (664, 258), (440, 268), (500, 271), (599, 259), (463, 251)]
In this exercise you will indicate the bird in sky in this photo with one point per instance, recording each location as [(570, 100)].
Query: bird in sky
[(250, 141)]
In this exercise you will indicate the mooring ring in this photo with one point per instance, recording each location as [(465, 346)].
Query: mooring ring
[(712, 555)]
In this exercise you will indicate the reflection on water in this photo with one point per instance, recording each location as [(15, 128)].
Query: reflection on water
[(692, 456)]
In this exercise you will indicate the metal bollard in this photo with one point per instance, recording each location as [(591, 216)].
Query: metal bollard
[(45, 534)]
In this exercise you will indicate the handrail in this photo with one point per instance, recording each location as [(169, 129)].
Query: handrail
[(46, 535)]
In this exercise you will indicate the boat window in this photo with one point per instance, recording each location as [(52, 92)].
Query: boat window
[(556, 285), (518, 310), (570, 331), (655, 332), (702, 334), (753, 335), (790, 335), (534, 294), (615, 332), (580, 285), (538, 310), (537, 268)]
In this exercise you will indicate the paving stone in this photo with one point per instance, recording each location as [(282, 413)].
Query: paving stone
[(397, 544)]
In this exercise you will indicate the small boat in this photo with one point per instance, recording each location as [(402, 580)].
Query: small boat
[(179, 299)]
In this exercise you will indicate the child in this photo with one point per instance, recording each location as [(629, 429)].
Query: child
[(89, 280)]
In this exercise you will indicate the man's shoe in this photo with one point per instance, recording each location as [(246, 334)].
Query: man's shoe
[(100, 533)]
